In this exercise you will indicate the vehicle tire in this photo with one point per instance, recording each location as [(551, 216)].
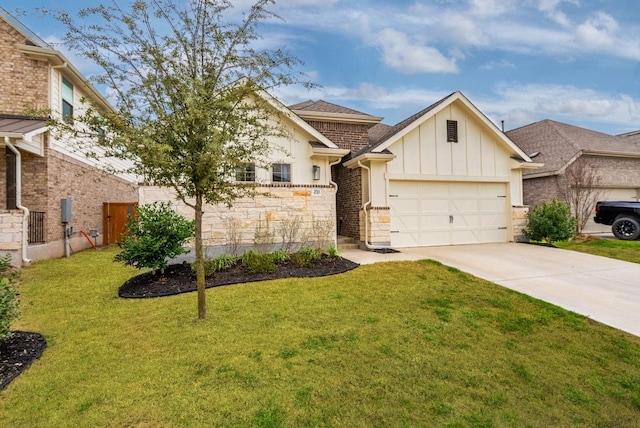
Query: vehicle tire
[(626, 228)]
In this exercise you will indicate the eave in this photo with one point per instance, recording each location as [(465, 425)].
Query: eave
[(369, 157), (338, 117), (327, 151), (56, 59)]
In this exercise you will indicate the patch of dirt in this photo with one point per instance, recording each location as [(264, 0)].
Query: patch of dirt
[(17, 353), (181, 279)]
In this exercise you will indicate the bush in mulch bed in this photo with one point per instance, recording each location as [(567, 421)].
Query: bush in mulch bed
[(178, 279)]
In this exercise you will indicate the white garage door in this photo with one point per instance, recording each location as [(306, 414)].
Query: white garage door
[(630, 195), (444, 213)]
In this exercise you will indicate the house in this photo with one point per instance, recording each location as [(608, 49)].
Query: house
[(37, 170), (445, 176), (615, 160)]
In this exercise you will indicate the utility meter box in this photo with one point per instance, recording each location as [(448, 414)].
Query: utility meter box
[(65, 205)]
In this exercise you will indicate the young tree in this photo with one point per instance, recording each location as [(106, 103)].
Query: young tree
[(579, 189), (187, 78)]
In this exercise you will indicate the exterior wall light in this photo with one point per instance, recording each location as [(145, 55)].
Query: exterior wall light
[(316, 172)]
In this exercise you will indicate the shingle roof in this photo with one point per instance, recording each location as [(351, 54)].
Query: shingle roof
[(380, 133), (633, 136), (324, 107), (558, 143)]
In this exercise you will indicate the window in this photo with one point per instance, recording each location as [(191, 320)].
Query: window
[(102, 135), (281, 173), (246, 173), (67, 100), (452, 131)]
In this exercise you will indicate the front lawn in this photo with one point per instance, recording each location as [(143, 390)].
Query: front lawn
[(628, 251), (390, 344)]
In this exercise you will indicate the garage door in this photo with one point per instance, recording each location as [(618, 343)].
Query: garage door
[(630, 195), (444, 213)]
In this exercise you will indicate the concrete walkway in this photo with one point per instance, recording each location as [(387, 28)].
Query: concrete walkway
[(603, 289)]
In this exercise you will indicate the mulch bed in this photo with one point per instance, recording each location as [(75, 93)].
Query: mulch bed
[(17, 353), (178, 279)]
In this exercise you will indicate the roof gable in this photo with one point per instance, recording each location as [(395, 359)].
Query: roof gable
[(559, 144), (384, 140), (297, 120)]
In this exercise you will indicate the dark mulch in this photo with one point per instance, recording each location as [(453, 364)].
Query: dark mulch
[(180, 278), (17, 353)]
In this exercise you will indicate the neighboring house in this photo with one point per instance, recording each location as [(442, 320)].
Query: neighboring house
[(37, 170), (444, 176), (559, 146)]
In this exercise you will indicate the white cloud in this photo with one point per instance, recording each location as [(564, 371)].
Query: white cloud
[(520, 105), (409, 56), (598, 31), (497, 64)]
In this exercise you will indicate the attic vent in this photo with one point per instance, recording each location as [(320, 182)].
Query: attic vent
[(452, 131)]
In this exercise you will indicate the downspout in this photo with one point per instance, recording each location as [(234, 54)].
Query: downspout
[(25, 210), (364, 209)]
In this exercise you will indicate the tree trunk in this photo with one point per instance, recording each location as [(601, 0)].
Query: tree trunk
[(202, 297)]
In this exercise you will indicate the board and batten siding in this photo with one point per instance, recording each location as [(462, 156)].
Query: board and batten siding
[(424, 153)]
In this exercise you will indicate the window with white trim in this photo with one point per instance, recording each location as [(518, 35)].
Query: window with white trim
[(67, 100), (246, 172), (281, 173)]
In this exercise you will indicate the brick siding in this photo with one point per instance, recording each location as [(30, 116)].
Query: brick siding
[(25, 82), (345, 135), (613, 173), (88, 188), (349, 200)]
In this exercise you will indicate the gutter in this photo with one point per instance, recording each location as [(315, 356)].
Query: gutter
[(25, 210)]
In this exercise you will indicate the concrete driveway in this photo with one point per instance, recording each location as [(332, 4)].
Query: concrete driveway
[(603, 289)]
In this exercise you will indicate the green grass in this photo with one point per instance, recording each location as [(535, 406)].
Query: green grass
[(613, 248), (384, 345)]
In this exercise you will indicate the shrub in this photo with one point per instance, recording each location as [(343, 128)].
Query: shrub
[(333, 252), (259, 262), (156, 234), (281, 256), (550, 222), (9, 310), (222, 262), (306, 256)]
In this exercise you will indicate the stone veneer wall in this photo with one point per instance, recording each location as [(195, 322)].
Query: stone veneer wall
[(11, 235), (519, 221), (378, 232), (314, 206)]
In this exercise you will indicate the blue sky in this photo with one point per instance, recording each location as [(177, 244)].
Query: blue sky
[(574, 61)]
